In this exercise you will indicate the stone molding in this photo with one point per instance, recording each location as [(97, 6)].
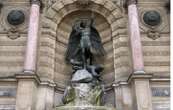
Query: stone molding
[(136, 75), (151, 77), (164, 79), (28, 75), (139, 75), (34, 77)]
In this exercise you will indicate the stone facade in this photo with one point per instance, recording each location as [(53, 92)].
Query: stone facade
[(33, 72)]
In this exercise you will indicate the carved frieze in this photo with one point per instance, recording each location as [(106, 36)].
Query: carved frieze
[(7, 92), (7, 107), (160, 91)]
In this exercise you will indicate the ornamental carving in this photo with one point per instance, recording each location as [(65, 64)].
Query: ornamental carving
[(153, 34), (153, 21), (13, 34), (14, 21), (83, 3), (16, 17), (160, 92), (152, 18)]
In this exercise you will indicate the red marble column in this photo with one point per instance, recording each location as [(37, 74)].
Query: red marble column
[(32, 40), (139, 81), (27, 89), (135, 38)]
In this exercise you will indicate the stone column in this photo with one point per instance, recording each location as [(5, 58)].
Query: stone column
[(139, 79), (31, 50), (27, 81), (135, 38)]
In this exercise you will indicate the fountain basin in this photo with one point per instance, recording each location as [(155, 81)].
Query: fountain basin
[(84, 108)]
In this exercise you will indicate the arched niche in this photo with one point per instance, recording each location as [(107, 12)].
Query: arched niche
[(112, 26), (58, 21), (63, 71)]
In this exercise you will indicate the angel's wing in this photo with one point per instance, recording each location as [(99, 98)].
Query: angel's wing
[(73, 44), (96, 43)]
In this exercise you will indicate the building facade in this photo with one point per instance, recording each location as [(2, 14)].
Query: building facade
[(34, 36)]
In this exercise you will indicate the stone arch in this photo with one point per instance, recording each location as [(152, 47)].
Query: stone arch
[(106, 8), (110, 11)]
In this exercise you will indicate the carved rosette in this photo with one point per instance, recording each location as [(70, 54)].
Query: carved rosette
[(152, 22), (14, 21)]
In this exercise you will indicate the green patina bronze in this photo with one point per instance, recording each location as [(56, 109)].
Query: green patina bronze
[(86, 88), (16, 17), (152, 18)]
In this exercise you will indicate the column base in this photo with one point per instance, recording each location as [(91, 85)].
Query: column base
[(26, 92), (141, 91), (32, 94)]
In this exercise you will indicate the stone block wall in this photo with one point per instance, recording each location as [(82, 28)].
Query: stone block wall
[(156, 47), (56, 19)]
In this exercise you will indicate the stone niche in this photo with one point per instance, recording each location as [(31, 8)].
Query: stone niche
[(62, 70)]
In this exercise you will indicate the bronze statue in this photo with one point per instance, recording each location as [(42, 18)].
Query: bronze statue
[(84, 43), (86, 87)]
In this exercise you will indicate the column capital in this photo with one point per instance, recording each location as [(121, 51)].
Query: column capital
[(38, 2), (129, 2)]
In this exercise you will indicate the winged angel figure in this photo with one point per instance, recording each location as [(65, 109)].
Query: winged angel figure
[(84, 43)]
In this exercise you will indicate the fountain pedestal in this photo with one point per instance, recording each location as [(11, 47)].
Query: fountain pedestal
[(84, 93)]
